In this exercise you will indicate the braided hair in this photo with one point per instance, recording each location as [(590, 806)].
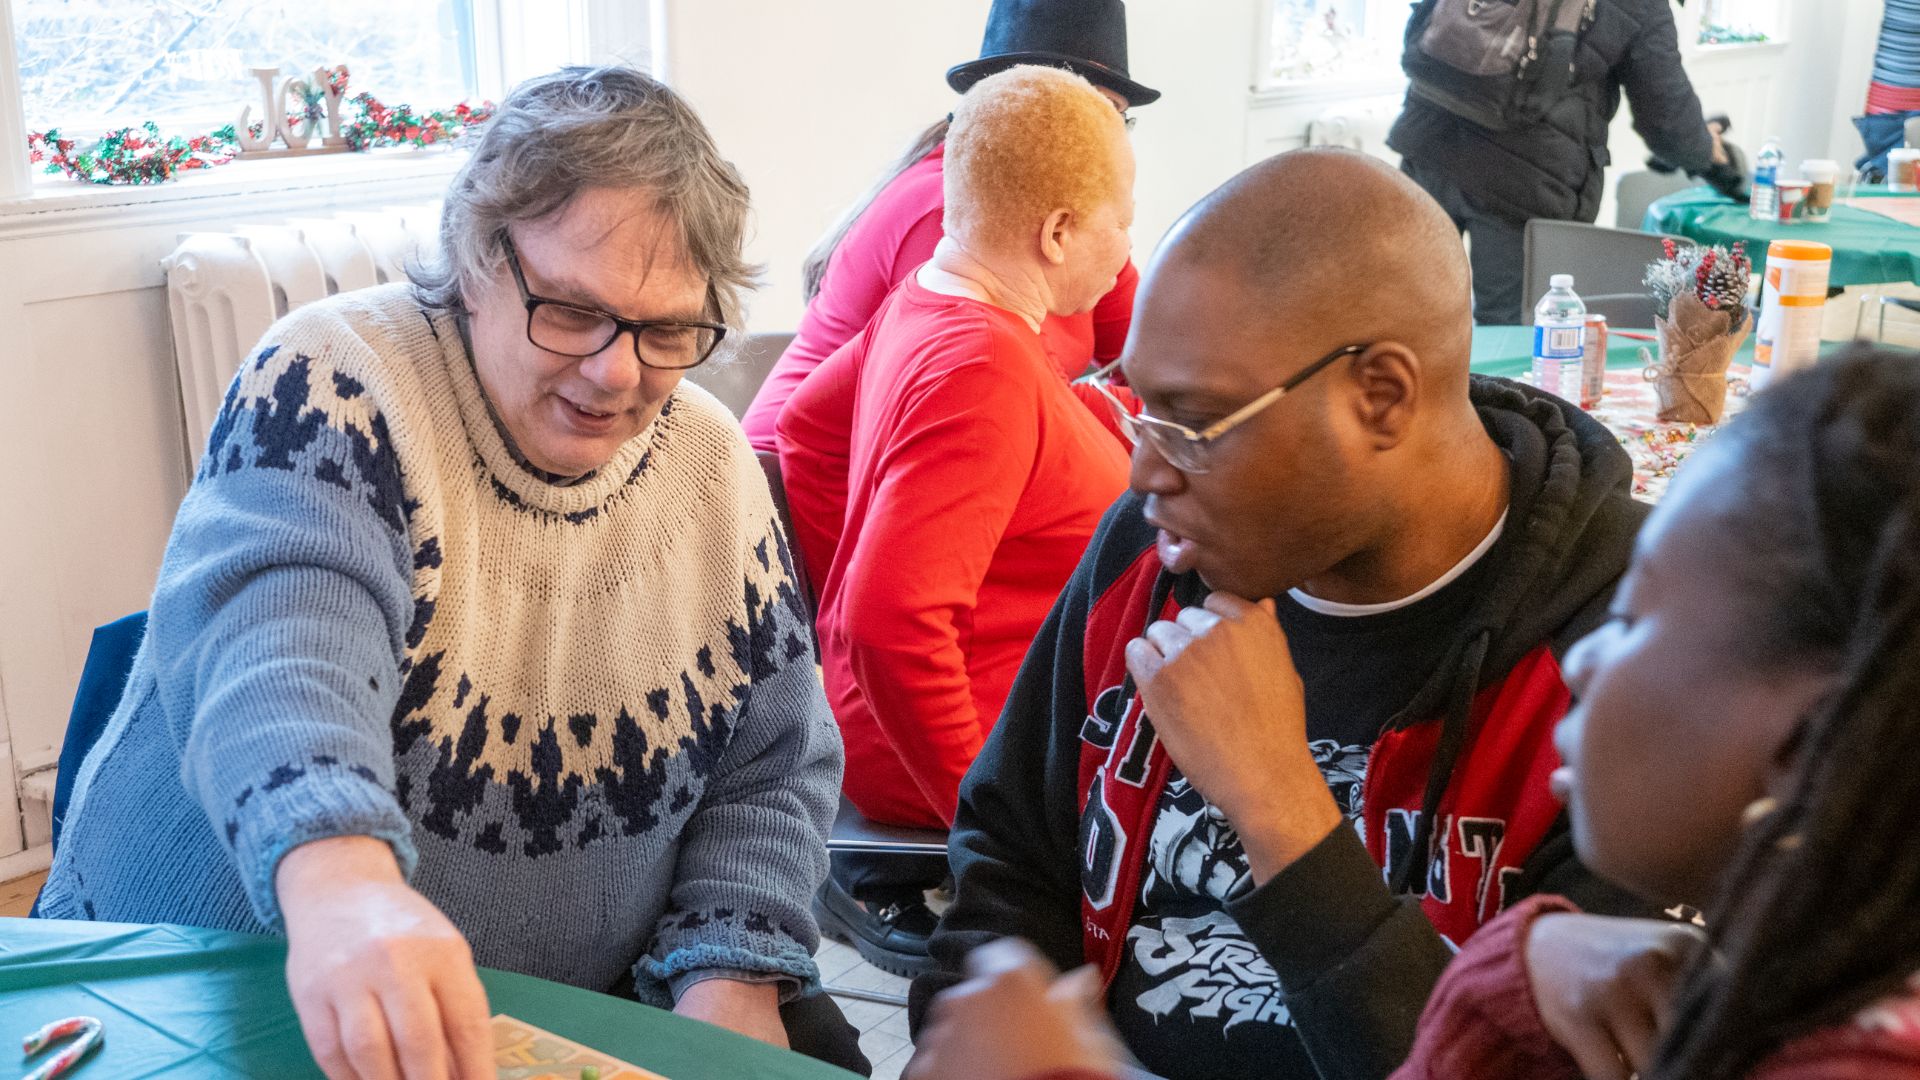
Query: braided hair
[(1817, 917)]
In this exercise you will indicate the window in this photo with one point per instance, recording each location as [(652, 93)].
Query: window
[(1733, 22), (1313, 40), (86, 66)]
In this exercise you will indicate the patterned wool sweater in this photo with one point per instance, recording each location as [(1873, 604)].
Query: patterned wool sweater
[(586, 717)]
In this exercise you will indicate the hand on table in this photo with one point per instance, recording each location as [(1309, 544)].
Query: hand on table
[(752, 1009), (1015, 1016), (382, 981), (1221, 688), (1604, 986)]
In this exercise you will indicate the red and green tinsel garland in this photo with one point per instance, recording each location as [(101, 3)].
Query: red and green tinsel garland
[(140, 155)]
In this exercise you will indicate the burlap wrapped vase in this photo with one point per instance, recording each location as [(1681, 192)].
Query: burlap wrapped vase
[(1697, 344)]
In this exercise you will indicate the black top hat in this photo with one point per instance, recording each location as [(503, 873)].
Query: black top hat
[(1087, 37)]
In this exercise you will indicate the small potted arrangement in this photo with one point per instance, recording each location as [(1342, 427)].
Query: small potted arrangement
[(1701, 318)]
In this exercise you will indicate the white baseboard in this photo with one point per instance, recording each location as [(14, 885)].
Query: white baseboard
[(21, 863)]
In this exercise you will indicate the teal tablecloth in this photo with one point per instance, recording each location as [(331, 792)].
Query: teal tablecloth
[(1508, 350), (1868, 249), (182, 1002)]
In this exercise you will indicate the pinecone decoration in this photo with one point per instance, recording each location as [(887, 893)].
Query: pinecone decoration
[(1723, 284)]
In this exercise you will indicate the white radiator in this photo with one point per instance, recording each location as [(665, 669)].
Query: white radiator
[(225, 288)]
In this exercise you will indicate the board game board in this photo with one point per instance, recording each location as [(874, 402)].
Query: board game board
[(524, 1052)]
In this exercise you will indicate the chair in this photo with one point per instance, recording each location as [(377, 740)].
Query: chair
[(1638, 190), (103, 678), (736, 381), (1608, 266), (1880, 303), (777, 487)]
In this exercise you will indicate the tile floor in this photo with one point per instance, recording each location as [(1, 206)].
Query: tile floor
[(883, 1028)]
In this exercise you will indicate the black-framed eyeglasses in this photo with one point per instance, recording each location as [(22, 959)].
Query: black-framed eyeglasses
[(1185, 449), (574, 330)]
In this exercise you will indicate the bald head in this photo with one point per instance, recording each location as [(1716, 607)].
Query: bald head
[(1338, 246)]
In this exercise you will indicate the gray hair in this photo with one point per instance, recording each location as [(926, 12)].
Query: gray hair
[(583, 127)]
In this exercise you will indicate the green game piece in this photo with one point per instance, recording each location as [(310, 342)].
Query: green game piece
[(589, 1072)]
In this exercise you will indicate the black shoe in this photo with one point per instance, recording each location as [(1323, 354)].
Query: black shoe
[(891, 937)]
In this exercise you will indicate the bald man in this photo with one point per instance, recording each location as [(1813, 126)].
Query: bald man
[(1285, 737)]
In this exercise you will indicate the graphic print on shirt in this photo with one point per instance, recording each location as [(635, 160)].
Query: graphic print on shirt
[(1192, 959)]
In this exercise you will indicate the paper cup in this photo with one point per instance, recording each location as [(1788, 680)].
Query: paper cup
[(1902, 164), (1793, 196), (1823, 175)]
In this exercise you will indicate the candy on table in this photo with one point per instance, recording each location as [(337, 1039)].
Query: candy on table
[(85, 1032)]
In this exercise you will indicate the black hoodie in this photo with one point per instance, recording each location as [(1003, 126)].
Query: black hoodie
[(1051, 839)]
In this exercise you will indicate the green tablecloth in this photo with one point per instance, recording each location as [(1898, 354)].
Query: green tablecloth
[(1868, 249), (185, 1002), (1508, 350)]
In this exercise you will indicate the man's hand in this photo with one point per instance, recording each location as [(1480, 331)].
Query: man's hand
[(752, 1009), (383, 983), (1220, 686), (1604, 986), (1016, 1016)]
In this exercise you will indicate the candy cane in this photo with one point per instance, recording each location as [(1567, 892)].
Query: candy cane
[(85, 1031)]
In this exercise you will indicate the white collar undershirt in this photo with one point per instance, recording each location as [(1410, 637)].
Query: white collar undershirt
[(935, 280), (1354, 611)]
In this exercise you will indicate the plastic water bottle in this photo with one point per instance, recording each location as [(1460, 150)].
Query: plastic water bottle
[(1559, 339), (1766, 179)]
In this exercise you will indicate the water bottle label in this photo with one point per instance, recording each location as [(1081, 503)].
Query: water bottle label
[(1766, 174), (1560, 342)]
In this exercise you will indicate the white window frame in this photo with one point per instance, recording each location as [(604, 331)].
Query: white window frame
[(512, 40)]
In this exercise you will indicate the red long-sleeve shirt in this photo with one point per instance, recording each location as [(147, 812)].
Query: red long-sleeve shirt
[(943, 480), (896, 233), (1482, 1023)]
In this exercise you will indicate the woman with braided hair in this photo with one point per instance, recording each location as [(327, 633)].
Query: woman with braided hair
[(1744, 743)]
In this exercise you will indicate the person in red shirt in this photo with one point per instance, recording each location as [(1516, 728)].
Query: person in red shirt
[(891, 232), (1743, 742), (942, 477)]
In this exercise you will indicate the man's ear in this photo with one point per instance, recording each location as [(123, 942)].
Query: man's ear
[(1387, 378), (1055, 234)]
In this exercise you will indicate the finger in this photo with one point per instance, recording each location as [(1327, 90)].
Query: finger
[(321, 1028), (1082, 985), (1594, 1051), (1008, 956), (419, 1039), (1633, 1032), (366, 1042), (468, 1022), (1144, 661), (1197, 620), (1170, 638)]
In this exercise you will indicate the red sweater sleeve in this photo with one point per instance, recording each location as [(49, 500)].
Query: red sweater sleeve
[(1481, 1022), (952, 473), (1113, 315)]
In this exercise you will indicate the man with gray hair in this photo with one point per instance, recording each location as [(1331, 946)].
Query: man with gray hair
[(477, 641)]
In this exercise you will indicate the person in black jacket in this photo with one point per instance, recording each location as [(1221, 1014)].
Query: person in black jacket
[(1340, 589), (1493, 182)]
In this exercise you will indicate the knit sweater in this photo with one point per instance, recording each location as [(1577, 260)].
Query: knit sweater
[(587, 718)]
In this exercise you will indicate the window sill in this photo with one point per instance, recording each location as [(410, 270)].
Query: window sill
[(1334, 88), (58, 205), (1736, 48)]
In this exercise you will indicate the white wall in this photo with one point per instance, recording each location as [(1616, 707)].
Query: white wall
[(814, 101)]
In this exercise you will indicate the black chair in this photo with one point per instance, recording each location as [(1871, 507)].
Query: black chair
[(736, 380), (1609, 267)]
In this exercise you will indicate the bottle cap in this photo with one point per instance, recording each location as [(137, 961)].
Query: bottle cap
[(1560, 281)]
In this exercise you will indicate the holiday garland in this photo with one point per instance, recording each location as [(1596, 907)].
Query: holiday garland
[(140, 155)]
